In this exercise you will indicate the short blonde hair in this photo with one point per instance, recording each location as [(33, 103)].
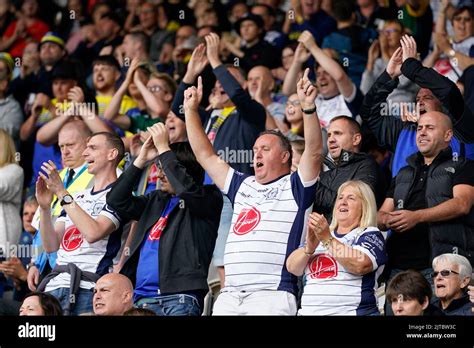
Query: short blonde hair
[(369, 207), (7, 149)]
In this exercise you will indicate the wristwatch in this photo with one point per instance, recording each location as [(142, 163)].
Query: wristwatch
[(67, 199), (309, 111), (451, 53)]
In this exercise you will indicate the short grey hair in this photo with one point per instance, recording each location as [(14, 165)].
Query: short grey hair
[(465, 268)]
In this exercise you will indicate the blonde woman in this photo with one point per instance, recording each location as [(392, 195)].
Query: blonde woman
[(11, 186), (340, 262)]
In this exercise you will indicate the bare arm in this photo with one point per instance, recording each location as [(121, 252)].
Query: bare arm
[(353, 260), (28, 127), (202, 148), (112, 110), (92, 229), (298, 260), (383, 213), (48, 134), (344, 83), (293, 74), (457, 206), (310, 163)]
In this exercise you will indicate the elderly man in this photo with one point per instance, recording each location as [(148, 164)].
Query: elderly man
[(452, 274), (260, 240), (113, 295)]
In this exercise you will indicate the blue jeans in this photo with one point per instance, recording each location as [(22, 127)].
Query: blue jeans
[(171, 305), (83, 300), (424, 272)]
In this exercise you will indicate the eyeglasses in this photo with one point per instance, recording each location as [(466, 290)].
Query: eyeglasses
[(294, 103), (389, 31), (444, 273), (465, 19), (154, 89)]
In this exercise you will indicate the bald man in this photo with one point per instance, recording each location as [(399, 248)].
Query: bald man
[(260, 85), (113, 295), (72, 141), (428, 207)]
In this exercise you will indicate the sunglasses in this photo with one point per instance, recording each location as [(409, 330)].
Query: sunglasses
[(444, 273)]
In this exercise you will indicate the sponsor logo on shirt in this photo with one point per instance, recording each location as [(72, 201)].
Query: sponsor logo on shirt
[(72, 239), (247, 220), (323, 266)]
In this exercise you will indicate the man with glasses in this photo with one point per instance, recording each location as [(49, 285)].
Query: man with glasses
[(429, 205), (451, 275)]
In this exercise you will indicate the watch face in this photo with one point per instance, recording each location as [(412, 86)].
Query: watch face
[(67, 199)]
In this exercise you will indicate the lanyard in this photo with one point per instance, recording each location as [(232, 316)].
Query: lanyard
[(74, 177), (53, 205)]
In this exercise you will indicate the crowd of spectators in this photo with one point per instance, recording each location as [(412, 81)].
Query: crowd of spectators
[(316, 153)]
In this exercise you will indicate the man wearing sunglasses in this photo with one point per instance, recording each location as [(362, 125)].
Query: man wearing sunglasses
[(451, 275)]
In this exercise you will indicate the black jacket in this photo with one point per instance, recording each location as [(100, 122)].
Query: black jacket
[(399, 137), (188, 240), (239, 131), (461, 306), (358, 166), (445, 236)]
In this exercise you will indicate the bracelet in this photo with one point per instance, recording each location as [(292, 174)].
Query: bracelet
[(309, 111), (326, 243), (307, 254)]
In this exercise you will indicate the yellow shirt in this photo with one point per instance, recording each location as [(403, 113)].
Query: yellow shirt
[(104, 101)]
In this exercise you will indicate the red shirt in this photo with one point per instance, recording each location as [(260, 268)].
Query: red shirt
[(34, 33)]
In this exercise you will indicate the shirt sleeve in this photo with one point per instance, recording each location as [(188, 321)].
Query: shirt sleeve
[(354, 102), (232, 183), (111, 214), (303, 192), (372, 244), (464, 174)]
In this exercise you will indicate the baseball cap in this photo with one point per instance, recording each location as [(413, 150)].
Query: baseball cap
[(66, 70), (52, 37), (249, 17)]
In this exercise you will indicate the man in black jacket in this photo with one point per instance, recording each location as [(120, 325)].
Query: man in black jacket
[(345, 162), (429, 205), (437, 93), (171, 249)]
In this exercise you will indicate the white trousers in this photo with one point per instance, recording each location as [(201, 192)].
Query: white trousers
[(262, 302)]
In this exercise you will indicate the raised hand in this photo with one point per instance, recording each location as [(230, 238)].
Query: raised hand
[(306, 91), (160, 137), (395, 64), (131, 70), (197, 63), (43, 195), (148, 151), (408, 47), (193, 96), (307, 39), (318, 225), (212, 49), (53, 180), (301, 54), (76, 95)]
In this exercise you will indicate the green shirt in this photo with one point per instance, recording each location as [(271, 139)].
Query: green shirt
[(142, 122)]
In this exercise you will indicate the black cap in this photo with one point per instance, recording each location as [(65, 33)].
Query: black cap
[(249, 17), (66, 70)]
